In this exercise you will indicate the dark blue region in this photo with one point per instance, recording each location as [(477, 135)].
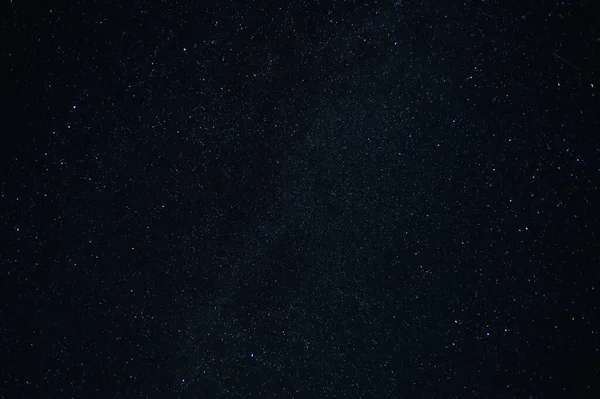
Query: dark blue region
[(317, 199)]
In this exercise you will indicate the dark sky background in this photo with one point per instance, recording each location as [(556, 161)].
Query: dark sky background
[(221, 199)]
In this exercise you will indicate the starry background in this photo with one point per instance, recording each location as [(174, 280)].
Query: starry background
[(311, 200)]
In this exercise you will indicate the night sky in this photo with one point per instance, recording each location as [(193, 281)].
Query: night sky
[(231, 199)]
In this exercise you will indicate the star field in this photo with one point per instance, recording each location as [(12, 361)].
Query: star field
[(320, 199)]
